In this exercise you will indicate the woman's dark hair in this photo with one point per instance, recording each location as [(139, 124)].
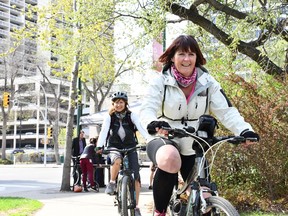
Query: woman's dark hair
[(93, 140), (112, 109), (185, 43)]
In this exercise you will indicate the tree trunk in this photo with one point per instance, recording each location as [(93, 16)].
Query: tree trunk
[(65, 186)]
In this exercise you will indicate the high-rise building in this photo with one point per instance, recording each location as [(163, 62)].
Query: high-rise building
[(33, 95)]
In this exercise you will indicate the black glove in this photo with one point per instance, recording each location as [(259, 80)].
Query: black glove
[(250, 134), (97, 149), (151, 127)]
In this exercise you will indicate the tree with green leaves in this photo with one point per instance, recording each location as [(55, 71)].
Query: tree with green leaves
[(12, 61), (81, 38), (248, 38), (255, 29), (237, 36)]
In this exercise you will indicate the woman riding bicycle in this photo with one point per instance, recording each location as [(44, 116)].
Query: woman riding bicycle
[(118, 125), (178, 97)]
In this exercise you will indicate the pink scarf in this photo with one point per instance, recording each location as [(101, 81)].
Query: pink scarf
[(181, 80)]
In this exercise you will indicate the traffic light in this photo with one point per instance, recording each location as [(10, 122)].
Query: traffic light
[(50, 132), (6, 99)]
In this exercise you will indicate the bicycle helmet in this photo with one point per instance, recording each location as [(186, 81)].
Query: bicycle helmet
[(119, 95)]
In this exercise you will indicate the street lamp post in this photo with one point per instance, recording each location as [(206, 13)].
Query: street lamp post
[(45, 125), (20, 127)]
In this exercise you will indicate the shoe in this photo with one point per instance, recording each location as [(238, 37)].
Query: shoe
[(110, 189), (150, 187), (137, 212), (157, 213), (85, 189), (95, 188)]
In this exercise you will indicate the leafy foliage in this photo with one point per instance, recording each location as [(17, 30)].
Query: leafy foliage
[(255, 177), (5, 161)]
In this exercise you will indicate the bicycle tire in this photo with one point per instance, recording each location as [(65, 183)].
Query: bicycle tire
[(118, 194), (75, 178), (216, 206), (127, 197), (96, 186), (222, 205)]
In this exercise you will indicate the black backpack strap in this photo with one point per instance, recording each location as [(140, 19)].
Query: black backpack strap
[(132, 126), (164, 96), (207, 99)]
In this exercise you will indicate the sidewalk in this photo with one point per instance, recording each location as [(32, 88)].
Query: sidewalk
[(71, 203)]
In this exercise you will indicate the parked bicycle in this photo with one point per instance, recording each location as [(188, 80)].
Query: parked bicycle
[(125, 195), (77, 173), (203, 198)]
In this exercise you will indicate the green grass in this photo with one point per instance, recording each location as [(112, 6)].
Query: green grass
[(17, 206), (261, 214)]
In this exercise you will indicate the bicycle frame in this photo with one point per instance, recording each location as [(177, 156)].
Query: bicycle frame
[(125, 193), (198, 181), (126, 171)]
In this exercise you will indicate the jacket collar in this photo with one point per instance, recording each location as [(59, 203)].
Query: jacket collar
[(203, 77)]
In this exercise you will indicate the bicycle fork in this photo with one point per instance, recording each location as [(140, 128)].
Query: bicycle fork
[(199, 194)]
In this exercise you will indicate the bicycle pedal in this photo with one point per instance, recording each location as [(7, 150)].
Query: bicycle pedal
[(184, 197)]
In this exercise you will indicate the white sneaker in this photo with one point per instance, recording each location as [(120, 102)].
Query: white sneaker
[(137, 212), (110, 189)]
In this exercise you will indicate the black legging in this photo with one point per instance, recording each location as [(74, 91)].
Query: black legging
[(164, 182)]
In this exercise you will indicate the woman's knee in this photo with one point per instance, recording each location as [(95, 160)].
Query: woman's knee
[(116, 162), (168, 159)]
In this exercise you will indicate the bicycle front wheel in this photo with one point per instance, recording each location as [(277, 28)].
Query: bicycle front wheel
[(128, 201), (216, 206), (219, 206)]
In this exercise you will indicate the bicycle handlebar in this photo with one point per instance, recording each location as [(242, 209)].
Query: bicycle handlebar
[(125, 150), (189, 132)]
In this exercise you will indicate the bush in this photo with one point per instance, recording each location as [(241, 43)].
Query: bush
[(256, 178), (5, 162)]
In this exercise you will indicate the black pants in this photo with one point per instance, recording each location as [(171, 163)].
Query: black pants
[(99, 172)]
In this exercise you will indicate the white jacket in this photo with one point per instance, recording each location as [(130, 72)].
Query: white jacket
[(180, 114), (106, 127)]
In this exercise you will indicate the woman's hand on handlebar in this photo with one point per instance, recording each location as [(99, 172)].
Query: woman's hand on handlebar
[(162, 132), (249, 142), (156, 127), (251, 138), (99, 150)]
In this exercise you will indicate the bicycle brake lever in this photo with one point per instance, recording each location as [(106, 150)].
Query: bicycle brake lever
[(237, 140), (142, 147), (180, 133), (190, 129)]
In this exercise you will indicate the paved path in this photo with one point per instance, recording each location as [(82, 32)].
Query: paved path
[(67, 203)]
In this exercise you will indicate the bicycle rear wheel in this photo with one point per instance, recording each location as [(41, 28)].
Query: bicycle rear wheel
[(75, 178), (128, 202)]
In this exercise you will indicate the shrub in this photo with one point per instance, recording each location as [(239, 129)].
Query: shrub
[(255, 178), (5, 161)]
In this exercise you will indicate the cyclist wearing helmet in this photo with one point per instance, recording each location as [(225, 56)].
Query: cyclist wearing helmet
[(118, 132)]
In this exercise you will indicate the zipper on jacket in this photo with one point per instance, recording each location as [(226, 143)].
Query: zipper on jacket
[(179, 107)]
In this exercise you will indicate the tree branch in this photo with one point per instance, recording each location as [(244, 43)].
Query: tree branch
[(244, 48)]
